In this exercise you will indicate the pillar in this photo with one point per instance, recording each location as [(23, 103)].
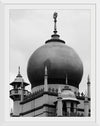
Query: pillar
[(46, 80), (16, 109), (68, 106), (75, 108), (59, 106), (59, 103), (45, 96), (86, 107), (22, 91), (88, 87)]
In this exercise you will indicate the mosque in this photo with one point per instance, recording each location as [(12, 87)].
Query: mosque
[(54, 71)]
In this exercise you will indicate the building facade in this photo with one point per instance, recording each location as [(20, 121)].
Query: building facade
[(55, 71)]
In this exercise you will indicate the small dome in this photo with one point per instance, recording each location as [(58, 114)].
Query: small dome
[(68, 95)]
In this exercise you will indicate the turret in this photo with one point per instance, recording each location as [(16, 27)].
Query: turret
[(88, 86), (46, 80), (59, 103), (18, 92), (45, 95), (66, 102), (86, 105), (69, 101), (87, 99)]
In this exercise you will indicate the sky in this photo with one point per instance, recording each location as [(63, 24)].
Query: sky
[(29, 29)]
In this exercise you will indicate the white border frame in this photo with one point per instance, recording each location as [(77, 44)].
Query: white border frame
[(54, 7), (3, 7)]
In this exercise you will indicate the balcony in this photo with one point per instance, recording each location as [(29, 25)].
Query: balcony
[(16, 92)]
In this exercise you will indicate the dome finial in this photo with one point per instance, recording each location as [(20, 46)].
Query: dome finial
[(88, 79), (19, 75), (55, 20), (19, 70)]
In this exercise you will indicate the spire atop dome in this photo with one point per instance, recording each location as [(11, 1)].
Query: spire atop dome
[(19, 75), (55, 21), (55, 37), (88, 80), (19, 70)]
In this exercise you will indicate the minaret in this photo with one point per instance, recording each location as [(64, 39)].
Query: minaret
[(45, 95), (88, 86), (59, 103), (22, 91), (86, 105), (18, 92), (46, 80)]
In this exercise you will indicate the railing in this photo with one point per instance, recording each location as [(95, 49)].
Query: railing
[(18, 92)]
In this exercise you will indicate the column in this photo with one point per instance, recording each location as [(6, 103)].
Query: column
[(86, 107), (68, 106), (88, 87), (45, 96), (75, 107), (59, 106)]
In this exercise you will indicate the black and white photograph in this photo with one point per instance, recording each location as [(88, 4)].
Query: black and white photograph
[(50, 63)]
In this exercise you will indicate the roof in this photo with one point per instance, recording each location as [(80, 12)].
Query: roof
[(68, 95)]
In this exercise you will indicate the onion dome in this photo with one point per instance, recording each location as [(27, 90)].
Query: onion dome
[(68, 95), (61, 60)]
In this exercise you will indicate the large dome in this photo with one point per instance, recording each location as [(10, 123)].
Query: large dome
[(61, 60)]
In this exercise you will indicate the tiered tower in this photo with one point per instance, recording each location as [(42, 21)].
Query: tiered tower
[(18, 93)]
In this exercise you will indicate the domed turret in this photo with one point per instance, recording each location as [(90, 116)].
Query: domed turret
[(68, 94), (61, 60)]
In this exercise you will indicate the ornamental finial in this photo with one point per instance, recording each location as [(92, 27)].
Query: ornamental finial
[(88, 79), (19, 75), (55, 20), (19, 70)]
